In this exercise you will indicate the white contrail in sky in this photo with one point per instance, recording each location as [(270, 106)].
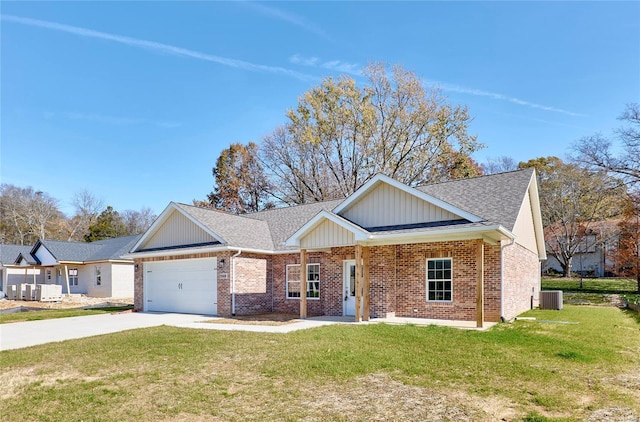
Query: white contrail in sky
[(158, 47), (496, 96)]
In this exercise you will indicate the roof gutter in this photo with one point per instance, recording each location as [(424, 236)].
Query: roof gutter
[(190, 251)]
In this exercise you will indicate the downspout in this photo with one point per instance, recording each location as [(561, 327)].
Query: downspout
[(233, 282), (502, 248)]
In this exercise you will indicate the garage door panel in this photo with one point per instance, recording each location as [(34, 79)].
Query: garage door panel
[(184, 286)]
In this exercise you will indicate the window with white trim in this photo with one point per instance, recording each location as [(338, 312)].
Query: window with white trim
[(98, 276), (73, 276), (439, 280), (294, 277)]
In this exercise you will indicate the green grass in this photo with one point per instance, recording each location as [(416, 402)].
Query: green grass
[(591, 285), (594, 291), (529, 370), (58, 313)]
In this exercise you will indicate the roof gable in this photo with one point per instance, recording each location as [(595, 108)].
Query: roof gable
[(496, 198), (383, 201), (326, 229), (186, 226), (174, 228), (10, 253)]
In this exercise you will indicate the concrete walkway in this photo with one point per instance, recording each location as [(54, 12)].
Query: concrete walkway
[(31, 333)]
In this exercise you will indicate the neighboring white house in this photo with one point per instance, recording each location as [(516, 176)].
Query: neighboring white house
[(95, 269), (595, 254), (11, 273)]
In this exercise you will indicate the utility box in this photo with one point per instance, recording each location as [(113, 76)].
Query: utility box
[(49, 293), (21, 291), (551, 299), (12, 292), (30, 292)]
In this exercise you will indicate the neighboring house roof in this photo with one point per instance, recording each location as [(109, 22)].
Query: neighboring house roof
[(9, 254), (113, 249), (101, 250), (481, 204)]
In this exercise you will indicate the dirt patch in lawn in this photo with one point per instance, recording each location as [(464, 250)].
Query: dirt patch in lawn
[(378, 397), (74, 301), (262, 319)]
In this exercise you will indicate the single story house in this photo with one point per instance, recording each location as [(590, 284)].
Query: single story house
[(461, 250), (95, 269)]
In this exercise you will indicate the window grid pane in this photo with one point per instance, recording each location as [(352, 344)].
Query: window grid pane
[(313, 280), (293, 281), (439, 280)]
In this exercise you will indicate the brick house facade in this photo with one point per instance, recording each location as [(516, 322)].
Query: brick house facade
[(454, 261)]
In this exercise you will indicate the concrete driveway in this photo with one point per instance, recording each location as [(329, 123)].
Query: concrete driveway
[(17, 335)]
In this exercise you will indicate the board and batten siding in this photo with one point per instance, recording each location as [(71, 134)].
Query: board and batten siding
[(524, 227), (177, 230), (327, 234), (386, 205)]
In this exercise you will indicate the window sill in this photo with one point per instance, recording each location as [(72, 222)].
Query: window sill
[(297, 298)]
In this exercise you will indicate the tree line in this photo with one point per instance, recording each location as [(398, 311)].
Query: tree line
[(27, 215), (341, 133)]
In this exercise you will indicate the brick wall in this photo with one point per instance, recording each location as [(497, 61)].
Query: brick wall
[(521, 280), (253, 284), (397, 277), (411, 288)]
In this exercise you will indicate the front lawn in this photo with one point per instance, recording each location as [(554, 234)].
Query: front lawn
[(575, 364), (58, 313)]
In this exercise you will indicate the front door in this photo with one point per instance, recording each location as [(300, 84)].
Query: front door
[(349, 287)]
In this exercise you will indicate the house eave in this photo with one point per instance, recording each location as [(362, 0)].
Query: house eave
[(192, 251), (110, 261), (491, 234)]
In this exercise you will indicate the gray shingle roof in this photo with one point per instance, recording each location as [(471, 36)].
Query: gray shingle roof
[(113, 248), (235, 230), (496, 198), (100, 250), (9, 254), (283, 222)]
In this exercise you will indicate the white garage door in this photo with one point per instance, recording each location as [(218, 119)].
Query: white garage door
[(184, 286)]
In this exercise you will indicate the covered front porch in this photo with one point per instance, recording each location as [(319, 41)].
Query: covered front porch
[(400, 273)]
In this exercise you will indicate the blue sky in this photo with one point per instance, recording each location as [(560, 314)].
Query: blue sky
[(135, 100)]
